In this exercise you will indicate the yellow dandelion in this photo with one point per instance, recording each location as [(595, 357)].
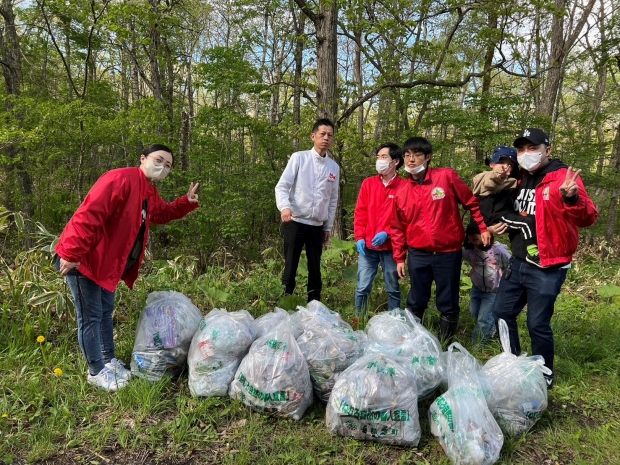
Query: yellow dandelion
[(5, 415), (58, 371), (41, 339)]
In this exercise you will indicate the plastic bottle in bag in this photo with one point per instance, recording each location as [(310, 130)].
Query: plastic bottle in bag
[(460, 419), (165, 329), (329, 349), (375, 400), (404, 337), (516, 390), (216, 350), (273, 377)]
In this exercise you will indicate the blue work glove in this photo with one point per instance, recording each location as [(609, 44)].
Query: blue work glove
[(379, 239), (361, 246)]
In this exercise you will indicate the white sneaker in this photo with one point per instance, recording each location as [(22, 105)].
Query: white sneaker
[(107, 380), (119, 369)]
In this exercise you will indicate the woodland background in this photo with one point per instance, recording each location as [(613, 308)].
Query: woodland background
[(234, 87)]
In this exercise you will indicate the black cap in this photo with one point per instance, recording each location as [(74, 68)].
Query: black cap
[(533, 135), (472, 228), (502, 151)]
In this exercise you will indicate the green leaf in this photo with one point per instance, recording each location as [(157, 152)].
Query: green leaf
[(608, 291), (43, 298), (349, 274), (19, 221), (290, 302), (342, 245)]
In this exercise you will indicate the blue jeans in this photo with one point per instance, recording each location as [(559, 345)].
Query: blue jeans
[(367, 267), (481, 308), (94, 307), (539, 289)]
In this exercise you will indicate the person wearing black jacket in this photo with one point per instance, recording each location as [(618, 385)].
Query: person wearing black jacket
[(495, 189)]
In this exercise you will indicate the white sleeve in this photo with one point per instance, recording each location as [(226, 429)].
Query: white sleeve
[(283, 188), (333, 204)]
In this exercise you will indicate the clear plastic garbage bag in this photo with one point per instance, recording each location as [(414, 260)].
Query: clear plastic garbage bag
[(329, 348), (315, 310), (375, 400), (165, 329), (402, 335), (460, 419), (273, 377), (516, 390), (216, 350), (269, 321)]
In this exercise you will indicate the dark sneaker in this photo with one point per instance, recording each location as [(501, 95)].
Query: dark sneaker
[(549, 380)]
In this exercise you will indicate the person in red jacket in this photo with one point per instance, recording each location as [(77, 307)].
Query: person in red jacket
[(104, 242), (427, 226), (553, 196), (371, 226)]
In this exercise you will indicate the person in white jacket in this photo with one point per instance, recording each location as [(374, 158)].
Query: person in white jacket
[(307, 197)]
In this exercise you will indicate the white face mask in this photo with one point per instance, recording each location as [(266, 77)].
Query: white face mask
[(155, 171), (530, 161), (383, 166), (417, 170)]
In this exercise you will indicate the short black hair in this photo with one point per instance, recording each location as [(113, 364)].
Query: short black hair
[(396, 153), (157, 147), (418, 145), (322, 122)]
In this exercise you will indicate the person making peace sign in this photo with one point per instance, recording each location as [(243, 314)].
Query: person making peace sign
[(104, 242), (552, 194)]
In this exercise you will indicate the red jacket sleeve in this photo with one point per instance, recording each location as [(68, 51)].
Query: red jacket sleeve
[(398, 233), (163, 212), (84, 230), (470, 202), (360, 217), (583, 213)]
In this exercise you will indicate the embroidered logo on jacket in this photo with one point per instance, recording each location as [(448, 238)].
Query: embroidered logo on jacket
[(332, 177), (438, 193), (546, 193)]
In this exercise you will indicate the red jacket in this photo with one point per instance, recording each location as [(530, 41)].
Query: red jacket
[(103, 230), (373, 212), (557, 223), (427, 216)]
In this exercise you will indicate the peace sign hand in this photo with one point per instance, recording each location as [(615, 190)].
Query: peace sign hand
[(191, 194), (569, 187)]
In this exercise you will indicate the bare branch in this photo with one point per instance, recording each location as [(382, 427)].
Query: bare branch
[(62, 56), (408, 85), (307, 11)]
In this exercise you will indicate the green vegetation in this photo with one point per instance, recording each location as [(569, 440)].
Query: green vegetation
[(56, 417)]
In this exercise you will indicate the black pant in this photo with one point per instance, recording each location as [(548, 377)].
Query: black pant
[(445, 270), (296, 236)]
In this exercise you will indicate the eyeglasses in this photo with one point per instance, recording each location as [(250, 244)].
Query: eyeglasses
[(410, 155), (162, 161)]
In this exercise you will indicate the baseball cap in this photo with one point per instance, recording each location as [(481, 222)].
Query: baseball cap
[(502, 151), (472, 228), (533, 135)]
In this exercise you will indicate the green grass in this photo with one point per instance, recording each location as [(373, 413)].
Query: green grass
[(61, 419)]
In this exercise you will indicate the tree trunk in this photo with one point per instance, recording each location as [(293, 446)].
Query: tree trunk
[(485, 92), (133, 64), (300, 24), (357, 74), (327, 55), (10, 53), (560, 47)]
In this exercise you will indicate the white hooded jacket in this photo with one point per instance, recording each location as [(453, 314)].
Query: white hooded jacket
[(309, 188)]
